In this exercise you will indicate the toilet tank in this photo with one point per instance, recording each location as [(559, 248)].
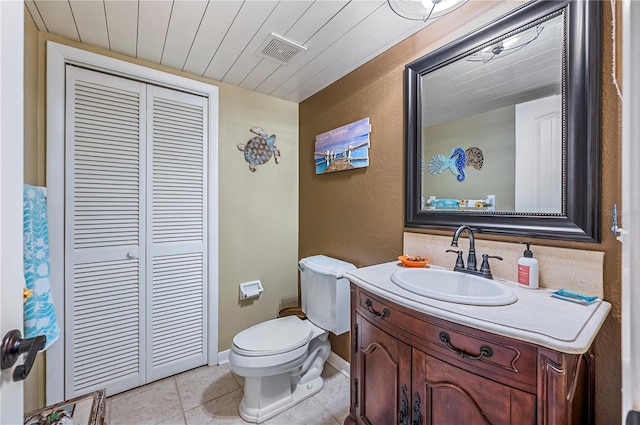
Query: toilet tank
[(325, 293)]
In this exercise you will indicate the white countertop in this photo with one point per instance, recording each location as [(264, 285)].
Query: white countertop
[(536, 317)]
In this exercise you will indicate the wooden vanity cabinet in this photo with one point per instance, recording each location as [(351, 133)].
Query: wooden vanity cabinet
[(410, 368)]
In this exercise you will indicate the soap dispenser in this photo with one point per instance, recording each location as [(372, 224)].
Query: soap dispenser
[(528, 269)]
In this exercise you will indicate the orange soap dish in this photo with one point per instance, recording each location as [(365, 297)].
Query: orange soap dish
[(413, 260)]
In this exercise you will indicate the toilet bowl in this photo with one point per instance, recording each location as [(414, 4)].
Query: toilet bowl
[(282, 359), (278, 377)]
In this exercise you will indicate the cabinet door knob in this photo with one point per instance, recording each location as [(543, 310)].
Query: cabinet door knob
[(132, 254)]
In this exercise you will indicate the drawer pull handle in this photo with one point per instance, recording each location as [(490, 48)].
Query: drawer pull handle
[(485, 350), (385, 312)]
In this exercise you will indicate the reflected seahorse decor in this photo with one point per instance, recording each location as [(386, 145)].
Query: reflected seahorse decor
[(456, 162), (259, 149)]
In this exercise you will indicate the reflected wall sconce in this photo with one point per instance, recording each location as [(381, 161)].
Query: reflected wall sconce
[(423, 10), (507, 46)]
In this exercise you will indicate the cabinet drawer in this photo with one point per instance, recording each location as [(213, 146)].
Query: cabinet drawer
[(386, 313), (499, 358)]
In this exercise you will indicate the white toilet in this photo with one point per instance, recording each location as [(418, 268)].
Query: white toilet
[(282, 359)]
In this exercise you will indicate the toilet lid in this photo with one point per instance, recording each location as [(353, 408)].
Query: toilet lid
[(274, 336)]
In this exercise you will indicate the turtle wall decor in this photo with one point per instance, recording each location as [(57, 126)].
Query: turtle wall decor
[(258, 150)]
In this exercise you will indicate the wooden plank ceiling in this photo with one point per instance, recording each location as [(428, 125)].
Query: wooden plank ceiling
[(222, 40)]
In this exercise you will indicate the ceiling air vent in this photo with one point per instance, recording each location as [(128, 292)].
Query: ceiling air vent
[(279, 49)]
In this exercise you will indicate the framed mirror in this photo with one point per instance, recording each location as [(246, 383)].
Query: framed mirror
[(502, 126)]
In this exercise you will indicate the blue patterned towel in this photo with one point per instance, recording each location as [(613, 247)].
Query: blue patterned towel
[(39, 315)]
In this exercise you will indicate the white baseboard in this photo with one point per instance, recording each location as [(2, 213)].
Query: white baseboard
[(339, 363), (334, 360), (223, 357)]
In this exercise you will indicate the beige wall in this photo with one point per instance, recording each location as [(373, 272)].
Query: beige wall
[(33, 169), (258, 215), (258, 211), (358, 215)]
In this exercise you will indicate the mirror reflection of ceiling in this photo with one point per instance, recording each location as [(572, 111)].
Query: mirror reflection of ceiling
[(466, 88)]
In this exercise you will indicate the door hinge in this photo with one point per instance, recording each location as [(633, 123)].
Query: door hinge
[(355, 393), (355, 338)]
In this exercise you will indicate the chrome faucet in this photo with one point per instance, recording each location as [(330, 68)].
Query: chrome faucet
[(485, 270)]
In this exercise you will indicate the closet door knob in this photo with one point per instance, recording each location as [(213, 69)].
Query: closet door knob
[(132, 254)]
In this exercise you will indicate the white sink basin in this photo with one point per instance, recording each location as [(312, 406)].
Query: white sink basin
[(455, 287)]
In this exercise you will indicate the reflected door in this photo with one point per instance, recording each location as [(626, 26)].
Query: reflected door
[(539, 156)]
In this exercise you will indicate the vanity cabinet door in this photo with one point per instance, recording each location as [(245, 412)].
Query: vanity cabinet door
[(384, 377), (446, 395)]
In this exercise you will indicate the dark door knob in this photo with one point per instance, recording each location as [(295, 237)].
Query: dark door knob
[(13, 345), (633, 417)]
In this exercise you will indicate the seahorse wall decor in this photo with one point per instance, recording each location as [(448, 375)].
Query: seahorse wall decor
[(456, 162), (258, 150)]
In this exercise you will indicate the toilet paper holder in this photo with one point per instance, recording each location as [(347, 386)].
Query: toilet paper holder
[(250, 289)]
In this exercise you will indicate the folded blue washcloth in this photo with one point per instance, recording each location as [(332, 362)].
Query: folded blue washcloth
[(39, 314), (563, 294)]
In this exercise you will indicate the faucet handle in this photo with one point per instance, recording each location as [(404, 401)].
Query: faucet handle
[(485, 270), (459, 261), (487, 256)]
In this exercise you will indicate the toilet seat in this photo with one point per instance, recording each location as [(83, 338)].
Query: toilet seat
[(276, 336)]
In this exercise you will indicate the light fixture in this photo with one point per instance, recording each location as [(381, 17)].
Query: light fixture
[(422, 10), (507, 46)]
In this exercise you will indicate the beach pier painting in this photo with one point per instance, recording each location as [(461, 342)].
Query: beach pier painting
[(343, 148)]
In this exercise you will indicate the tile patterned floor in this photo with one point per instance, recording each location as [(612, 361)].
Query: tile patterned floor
[(211, 395)]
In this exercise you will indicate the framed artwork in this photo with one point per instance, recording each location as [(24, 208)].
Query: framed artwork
[(84, 410), (343, 148)]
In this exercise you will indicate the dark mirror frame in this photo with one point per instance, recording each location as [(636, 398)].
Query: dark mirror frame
[(581, 129)]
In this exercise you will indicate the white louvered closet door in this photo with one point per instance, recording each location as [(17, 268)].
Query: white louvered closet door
[(104, 232), (176, 127), (135, 232)]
